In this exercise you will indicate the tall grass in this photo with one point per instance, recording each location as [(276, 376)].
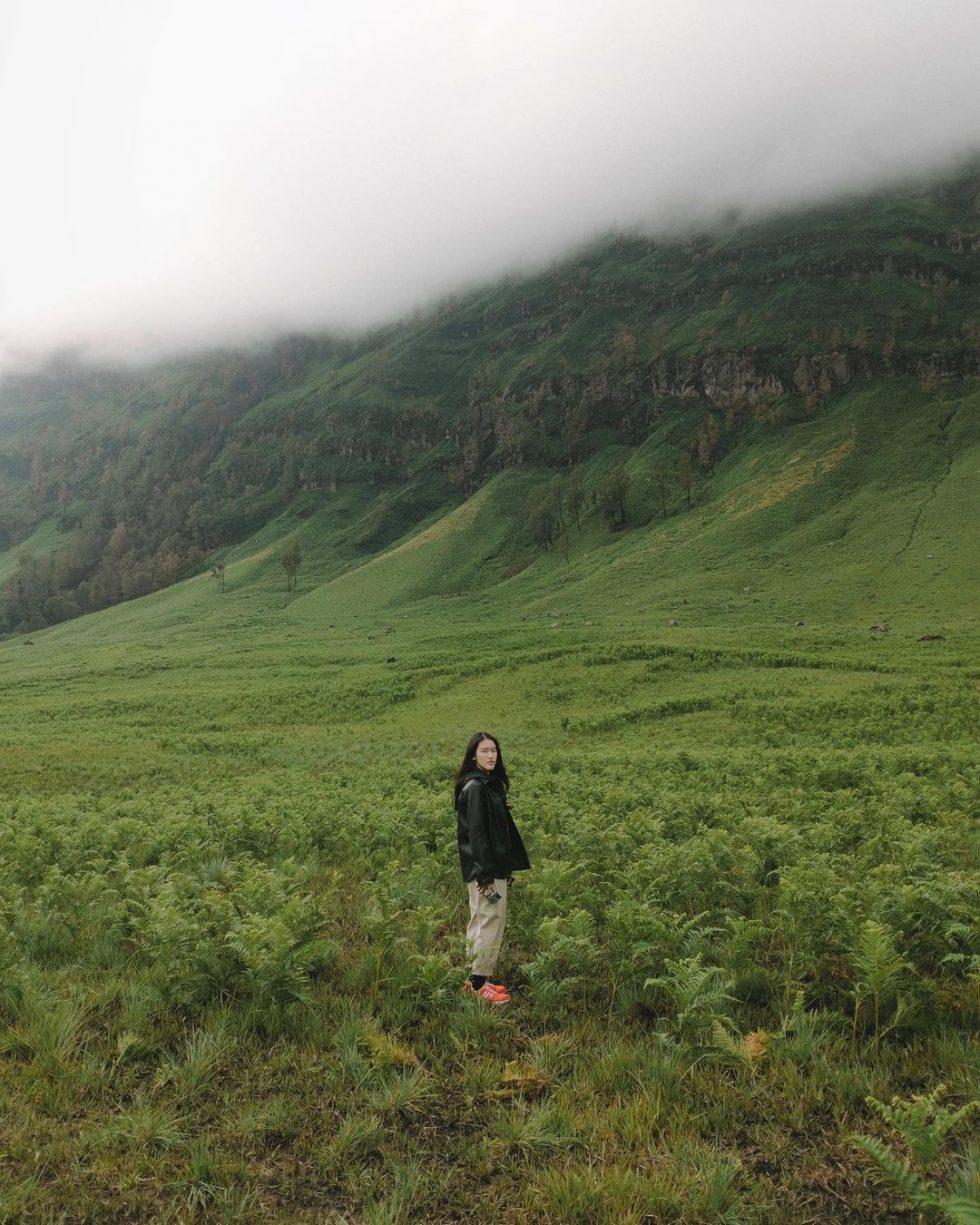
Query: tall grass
[(231, 931)]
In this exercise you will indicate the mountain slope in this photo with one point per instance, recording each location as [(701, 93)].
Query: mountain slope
[(808, 524), (730, 349)]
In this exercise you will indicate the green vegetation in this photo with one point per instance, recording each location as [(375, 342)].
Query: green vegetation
[(923, 1125), (723, 617), (682, 356), (232, 933)]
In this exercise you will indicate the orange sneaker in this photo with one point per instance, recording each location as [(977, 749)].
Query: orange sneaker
[(493, 993)]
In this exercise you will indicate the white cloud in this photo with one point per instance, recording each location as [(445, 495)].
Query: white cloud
[(181, 173)]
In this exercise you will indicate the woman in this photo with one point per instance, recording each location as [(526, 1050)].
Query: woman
[(490, 850)]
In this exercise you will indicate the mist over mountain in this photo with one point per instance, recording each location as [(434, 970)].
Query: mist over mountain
[(226, 173), (649, 378)]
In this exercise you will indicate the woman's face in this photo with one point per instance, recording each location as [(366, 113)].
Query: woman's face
[(485, 756)]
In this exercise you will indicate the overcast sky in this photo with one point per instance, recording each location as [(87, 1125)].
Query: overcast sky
[(185, 172)]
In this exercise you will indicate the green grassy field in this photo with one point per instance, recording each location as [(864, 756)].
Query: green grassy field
[(232, 917)]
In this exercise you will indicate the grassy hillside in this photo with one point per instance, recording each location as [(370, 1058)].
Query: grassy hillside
[(865, 515), (232, 917), (231, 914), (677, 351)]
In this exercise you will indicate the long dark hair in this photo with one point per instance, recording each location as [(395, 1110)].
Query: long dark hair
[(498, 773)]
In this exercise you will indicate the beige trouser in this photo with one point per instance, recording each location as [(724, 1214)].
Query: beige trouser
[(485, 929)]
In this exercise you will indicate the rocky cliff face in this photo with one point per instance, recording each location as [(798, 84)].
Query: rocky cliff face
[(718, 378), (509, 427), (725, 378)]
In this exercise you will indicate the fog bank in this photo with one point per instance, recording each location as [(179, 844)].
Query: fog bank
[(188, 174)]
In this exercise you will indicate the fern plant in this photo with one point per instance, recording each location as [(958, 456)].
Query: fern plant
[(880, 971), (965, 959), (699, 995), (567, 959), (923, 1124), (747, 1050)]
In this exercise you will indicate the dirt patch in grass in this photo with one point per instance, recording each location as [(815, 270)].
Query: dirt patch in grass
[(761, 493), (456, 521)]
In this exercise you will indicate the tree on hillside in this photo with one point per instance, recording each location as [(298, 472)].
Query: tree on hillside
[(218, 574), (622, 351), (612, 496), (554, 495), (685, 475), (290, 563), (662, 480), (24, 593), (541, 522), (575, 496), (706, 443)]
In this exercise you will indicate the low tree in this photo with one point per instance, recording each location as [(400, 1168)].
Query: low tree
[(291, 560), (662, 481), (541, 522), (685, 475), (555, 497), (612, 496), (575, 496), (706, 443), (218, 574), (25, 592)]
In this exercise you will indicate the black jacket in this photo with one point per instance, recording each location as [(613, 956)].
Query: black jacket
[(490, 847)]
